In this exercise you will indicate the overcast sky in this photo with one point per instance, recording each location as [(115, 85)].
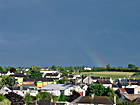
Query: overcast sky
[(69, 32)]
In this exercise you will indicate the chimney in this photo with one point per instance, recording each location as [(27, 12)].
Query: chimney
[(114, 99), (92, 96)]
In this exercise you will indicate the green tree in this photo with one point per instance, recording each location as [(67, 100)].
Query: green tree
[(2, 68), (100, 90), (35, 73), (63, 80), (132, 66), (96, 89), (8, 81), (2, 97), (35, 67), (62, 97), (28, 99), (44, 95), (108, 67)]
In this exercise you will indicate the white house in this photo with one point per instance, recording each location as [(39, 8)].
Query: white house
[(51, 74), (87, 68), (67, 89)]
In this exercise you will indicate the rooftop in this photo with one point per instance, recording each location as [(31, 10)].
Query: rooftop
[(94, 100), (56, 86)]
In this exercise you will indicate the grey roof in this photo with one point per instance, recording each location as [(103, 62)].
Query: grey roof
[(57, 86), (94, 100)]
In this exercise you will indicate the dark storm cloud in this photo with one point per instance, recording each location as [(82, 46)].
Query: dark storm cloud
[(47, 32)]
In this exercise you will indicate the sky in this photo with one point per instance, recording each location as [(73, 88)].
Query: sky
[(69, 32)]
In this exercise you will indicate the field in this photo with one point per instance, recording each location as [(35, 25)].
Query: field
[(114, 75)]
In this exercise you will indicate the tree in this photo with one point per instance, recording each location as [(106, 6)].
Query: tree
[(100, 90), (63, 80), (62, 97), (12, 70), (35, 73), (44, 95), (8, 81), (108, 67), (97, 89), (28, 99), (132, 66), (2, 97), (34, 67), (2, 68)]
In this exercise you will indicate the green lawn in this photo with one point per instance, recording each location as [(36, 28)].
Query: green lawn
[(114, 75)]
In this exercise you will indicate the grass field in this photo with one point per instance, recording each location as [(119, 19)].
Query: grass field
[(114, 75)]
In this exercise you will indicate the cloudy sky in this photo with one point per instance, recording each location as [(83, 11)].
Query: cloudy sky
[(69, 32)]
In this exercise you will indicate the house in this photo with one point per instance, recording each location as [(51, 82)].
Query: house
[(5, 73), (127, 94), (19, 78), (137, 90), (128, 83), (29, 82), (105, 82), (93, 100), (51, 74), (90, 79), (67, 89), (45, 81), (38, 83), (136, 101), (15, 98), (19, 90), (87, 68), (70, 76), (4, 90)]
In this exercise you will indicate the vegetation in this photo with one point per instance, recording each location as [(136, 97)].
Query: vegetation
[(127, 103), (113, 75), (44, 95), (63, 80), (35, 73), (28, 99), (62, 97), (100, 90), (7, 81), (2, 68), (2, 97)]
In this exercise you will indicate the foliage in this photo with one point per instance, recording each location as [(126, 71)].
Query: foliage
[(62, 97), (7, 81), (2, 68), (63, 80), (137, 74), (100, 90), (97, 89), (108, 67), (113, 75), (2, 97), (127, 103), (35, 67), (44, 95), (132, 66), (35, 73), (28, 99), (12, 70)]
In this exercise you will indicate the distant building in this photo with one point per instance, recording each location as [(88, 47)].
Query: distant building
[(87, 68)]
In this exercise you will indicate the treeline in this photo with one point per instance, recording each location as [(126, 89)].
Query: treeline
[(71, 69)]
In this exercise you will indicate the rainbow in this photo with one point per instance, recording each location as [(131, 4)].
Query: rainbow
[(92, 56)]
